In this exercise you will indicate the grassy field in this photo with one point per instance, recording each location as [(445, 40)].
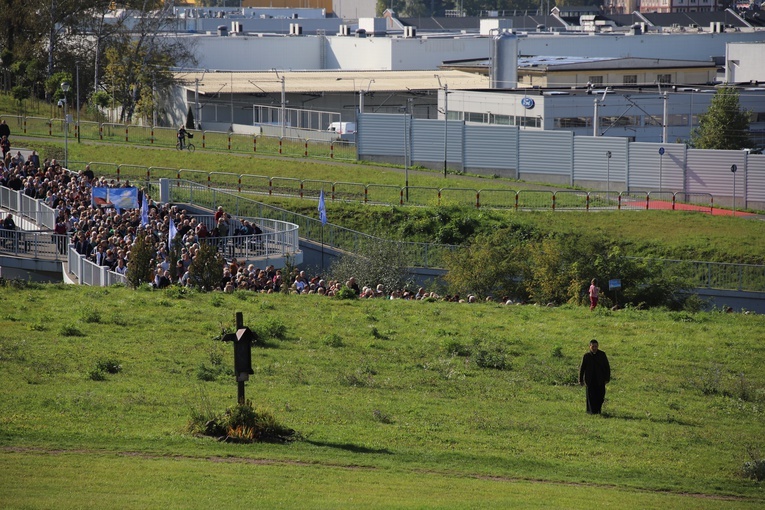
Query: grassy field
[(398, 404)]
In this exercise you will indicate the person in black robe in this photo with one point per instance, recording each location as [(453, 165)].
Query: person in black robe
[(595, 373)]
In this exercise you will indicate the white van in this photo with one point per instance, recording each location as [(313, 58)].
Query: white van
[(346, 130)]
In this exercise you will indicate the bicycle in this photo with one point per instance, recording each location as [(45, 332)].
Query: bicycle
[(182, 145)]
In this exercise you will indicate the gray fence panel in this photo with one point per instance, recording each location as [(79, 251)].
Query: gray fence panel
[(494, 147), (591, 161), (755, 179), (428, 140), (545, 152), (381, 134), (649, 170), (557, 157), (709, 172)]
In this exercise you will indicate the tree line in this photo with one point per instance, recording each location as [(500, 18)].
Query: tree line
[(115, 52)]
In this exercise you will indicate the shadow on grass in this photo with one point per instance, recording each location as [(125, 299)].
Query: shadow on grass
[(669, 419), (350, 447)]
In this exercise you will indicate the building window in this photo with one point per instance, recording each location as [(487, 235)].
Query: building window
[(595, 81), (572, 122), (677, 120), (664, 78), (630, 79), (654, 120), (504, 120), (618, 121), (529, 121), (475, 117)]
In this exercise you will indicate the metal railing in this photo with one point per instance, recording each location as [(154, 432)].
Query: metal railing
[(166, 137), (386, 194), (34, 245), (90, 273), (417, 254)]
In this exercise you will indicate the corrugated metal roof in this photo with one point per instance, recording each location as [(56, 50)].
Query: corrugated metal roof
[(604, 63), (296, 82)]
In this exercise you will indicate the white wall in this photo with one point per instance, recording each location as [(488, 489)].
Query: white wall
[(418, 54), (744, 62), (700, 46), (245, 53), (249, 53)]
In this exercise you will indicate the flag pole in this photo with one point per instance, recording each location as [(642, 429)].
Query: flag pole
[(323, 220)]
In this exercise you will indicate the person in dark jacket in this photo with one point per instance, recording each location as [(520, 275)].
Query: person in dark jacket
[(595, 373)]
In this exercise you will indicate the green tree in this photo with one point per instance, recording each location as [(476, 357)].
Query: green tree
[(490, 265), (725, 126), (206, 270), (375, 262), (139, 267)]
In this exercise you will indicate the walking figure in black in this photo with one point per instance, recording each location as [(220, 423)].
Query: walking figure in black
[(595, 373)]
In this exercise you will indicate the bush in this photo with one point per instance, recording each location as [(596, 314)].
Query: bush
[(242, 423), (206, 270), (139, 267), (375, 262), (70, 330), (109, 366), (96, 375), (346, 293), (754, 469)]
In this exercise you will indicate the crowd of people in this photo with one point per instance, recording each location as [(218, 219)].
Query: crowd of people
[(105, 235)]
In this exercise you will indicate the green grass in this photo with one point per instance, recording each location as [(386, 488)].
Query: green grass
[(389, 415)]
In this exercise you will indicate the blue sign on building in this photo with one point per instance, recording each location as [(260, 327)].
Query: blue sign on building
[(527, 103)]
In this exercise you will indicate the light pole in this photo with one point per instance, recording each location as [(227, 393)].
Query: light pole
[(284, 102), (608, 177), (446, 121), (661, 165), (406, 146), (65, 88), (733, 169), (446, 125), (363, 93)]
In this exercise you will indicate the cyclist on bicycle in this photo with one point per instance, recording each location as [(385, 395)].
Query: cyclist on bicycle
[(182, 136)]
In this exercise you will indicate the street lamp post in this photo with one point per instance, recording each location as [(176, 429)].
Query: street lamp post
[(661, 165), (446, 120), (608, 177), (283, 110), (446, 125), (407, 108), (733, 169), (65, 86), (363, 93)]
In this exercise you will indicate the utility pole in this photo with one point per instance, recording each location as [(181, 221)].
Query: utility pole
[(446, 126), (665, 120)]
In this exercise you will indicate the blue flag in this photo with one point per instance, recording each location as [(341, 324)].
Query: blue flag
[(172, 232), (144, 211), (322, 209)]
